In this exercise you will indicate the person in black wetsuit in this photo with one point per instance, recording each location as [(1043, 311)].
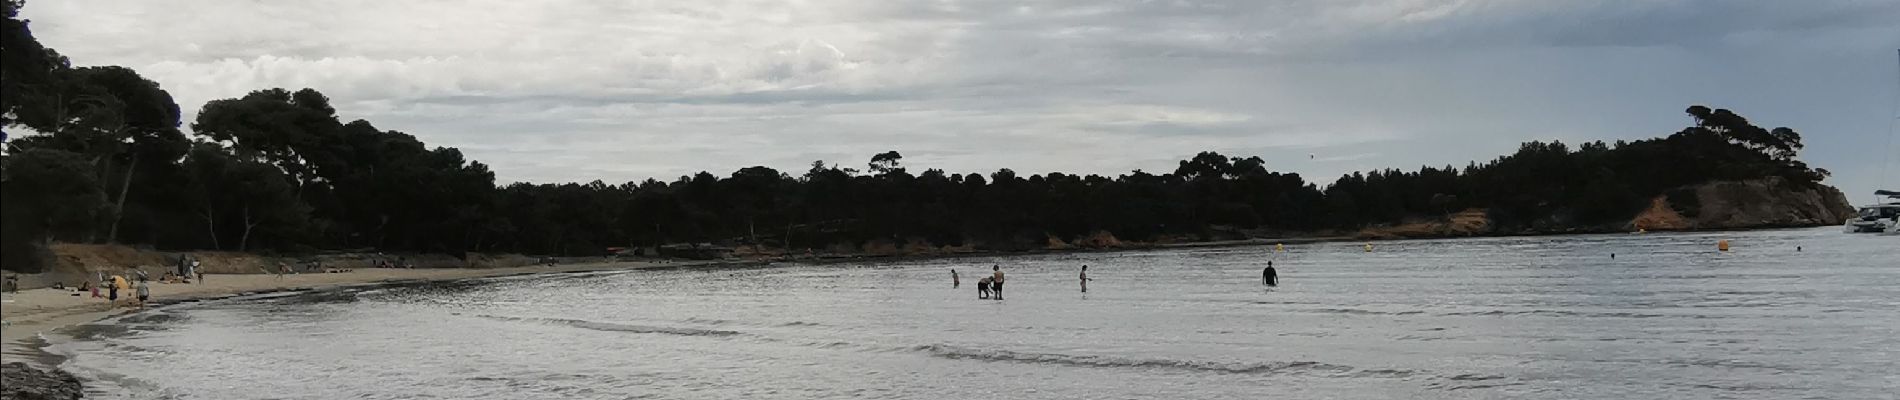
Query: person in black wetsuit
[(1269, 276)]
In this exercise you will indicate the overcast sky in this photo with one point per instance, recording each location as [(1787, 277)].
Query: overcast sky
[(550, 91)]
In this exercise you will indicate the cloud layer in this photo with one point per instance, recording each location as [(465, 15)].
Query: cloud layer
[(619, 91)]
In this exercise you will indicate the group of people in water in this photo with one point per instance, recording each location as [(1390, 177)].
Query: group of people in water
[(991, 287)]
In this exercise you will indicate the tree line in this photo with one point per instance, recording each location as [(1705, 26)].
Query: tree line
[(104, 159)]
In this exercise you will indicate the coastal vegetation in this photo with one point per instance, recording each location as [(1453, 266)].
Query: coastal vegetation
[(101, 155)]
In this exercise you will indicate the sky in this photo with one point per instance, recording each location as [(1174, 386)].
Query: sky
[(574, 91)]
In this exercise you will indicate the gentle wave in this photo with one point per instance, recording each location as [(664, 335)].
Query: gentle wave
[(1563, 313), (1355, 311), (1270, 368), (619, 327), (153, 317), (708, 321)]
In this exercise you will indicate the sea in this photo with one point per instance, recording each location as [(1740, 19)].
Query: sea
[(1784, 314)]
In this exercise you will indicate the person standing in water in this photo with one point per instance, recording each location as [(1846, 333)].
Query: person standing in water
[(145, 294), (1085, 279), (983, 288), (954, 281), (1269, 276), (112, 292), (996, 282)]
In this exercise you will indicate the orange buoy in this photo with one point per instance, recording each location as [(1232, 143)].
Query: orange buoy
[(1722, 245)]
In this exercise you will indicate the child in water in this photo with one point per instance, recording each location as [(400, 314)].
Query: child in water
[(983, 288)]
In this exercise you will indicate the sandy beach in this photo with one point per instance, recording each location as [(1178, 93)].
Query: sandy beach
[(31, 312)]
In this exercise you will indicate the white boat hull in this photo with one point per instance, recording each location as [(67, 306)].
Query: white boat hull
[(1880, 226), (1879, 218)]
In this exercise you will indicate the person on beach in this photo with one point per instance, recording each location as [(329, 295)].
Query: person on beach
[(1085, 279), (983, 288), (145, 293), (996, 282), (954, 281), (196, 268), (112, 293), (1270, 277)]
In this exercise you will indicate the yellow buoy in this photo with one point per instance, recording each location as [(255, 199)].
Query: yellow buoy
[(1279, 248), (1368, 247), (1722, 245)]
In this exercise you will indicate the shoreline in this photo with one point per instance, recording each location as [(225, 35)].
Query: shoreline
[(31, 313), (1249, 242), (53, 309)]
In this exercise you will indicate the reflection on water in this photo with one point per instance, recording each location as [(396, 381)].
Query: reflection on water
[(1538, 317)]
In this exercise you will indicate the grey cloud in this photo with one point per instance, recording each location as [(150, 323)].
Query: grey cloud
[(621, 91)]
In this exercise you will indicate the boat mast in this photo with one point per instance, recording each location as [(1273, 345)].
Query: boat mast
[(1886, 171)]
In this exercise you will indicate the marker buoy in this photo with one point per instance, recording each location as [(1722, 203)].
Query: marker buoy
[(1368, 247), (1721, 245), (1279, 248)]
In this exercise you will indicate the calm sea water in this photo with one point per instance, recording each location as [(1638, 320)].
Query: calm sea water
[(1541, 317)]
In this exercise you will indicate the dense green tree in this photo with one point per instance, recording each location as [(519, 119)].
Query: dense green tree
[(236, 196), (53, 194), (276, 170)]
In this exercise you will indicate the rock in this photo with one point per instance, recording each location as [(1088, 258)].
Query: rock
[(1757, 203), (1659, 216), (19, 381), (1769, 202)]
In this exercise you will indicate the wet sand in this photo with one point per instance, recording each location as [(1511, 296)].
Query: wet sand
[(31, 312)]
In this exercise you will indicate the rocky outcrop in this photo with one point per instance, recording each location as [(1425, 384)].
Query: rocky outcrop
[(1099, 239), (1758, 203), (19, 381), (1659, 216), (1470, 222)]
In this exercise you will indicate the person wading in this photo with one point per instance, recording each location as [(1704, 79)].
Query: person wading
[(1270, 277), (996, 282), (145, 294), (1085, 279)]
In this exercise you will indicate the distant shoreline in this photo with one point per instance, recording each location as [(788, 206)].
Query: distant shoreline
[(1292, 240)]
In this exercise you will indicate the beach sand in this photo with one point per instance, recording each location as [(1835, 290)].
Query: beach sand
[(31, 312)]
